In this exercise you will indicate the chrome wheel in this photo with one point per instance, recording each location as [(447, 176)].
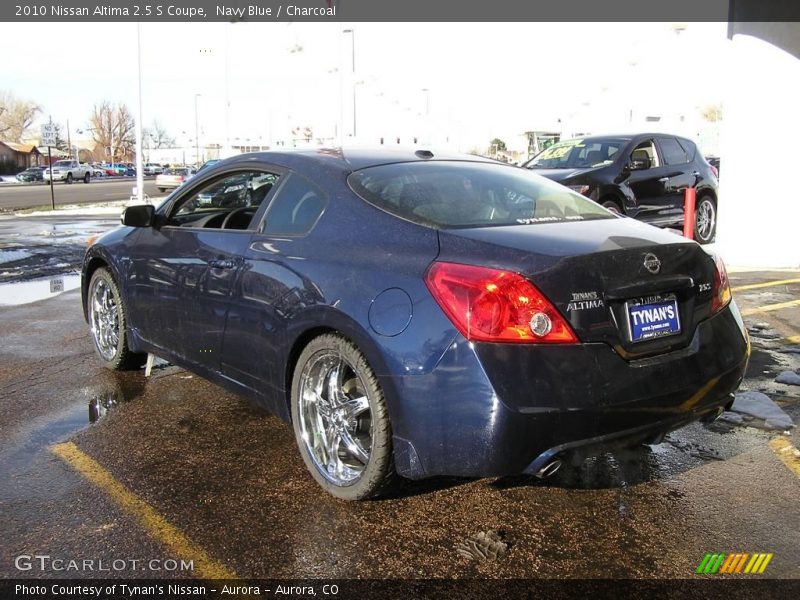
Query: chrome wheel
[(706, 219), (335, 418), (104, 318)]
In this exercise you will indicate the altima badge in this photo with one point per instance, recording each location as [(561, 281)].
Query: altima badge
[(651, 263)]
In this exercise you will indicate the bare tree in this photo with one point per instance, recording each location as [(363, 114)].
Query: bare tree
[(113, 127), (16, 116), (158, 136)]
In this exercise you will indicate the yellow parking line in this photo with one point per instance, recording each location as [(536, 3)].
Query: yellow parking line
[(793, 339), (788, 454), (770, 307), (156, 525), (755, 286)]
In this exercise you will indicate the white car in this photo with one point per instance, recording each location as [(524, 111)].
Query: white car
[(173, 178), (98, 172), (152, 169)]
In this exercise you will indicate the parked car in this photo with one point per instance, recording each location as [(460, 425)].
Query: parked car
[(98, 171), (152, 169), (31, 174), (115, 169), (69, 171), (420, 314), (172, 178), (641, 176)]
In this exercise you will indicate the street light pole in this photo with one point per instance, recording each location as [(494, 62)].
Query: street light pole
[(196, 133), (353, 72)]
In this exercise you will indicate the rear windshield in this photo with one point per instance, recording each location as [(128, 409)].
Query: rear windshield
[(467, 194), (176, 172)]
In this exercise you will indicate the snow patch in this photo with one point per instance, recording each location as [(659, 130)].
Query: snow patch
[(760, 406), (788, 377), (7, 256)]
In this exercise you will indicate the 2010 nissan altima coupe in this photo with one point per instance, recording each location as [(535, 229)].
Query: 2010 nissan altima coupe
[(419, 314)]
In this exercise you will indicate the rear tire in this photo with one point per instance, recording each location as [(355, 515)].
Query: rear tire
[(86, 177), (162, 190), (340, 420), (705, 224), (108, 324), (613, 206)]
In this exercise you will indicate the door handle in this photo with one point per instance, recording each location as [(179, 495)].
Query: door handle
[(221, 264)]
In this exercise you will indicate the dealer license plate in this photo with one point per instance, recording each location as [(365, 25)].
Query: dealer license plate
[(652, 317)]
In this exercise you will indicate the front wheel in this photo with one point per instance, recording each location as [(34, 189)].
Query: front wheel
[(69, 177), (705, 226), (612, 206), (340, 420), (108, 325)]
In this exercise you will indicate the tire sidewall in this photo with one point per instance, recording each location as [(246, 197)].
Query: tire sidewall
[(713, 232), (119, 355), (381, 443)]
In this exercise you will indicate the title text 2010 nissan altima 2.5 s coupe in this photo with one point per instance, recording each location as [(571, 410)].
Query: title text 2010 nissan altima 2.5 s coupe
[(420, 314)]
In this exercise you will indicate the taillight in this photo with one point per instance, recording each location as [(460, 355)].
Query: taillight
[(180, 178), (722, 287), (489, 305), (715, 171)]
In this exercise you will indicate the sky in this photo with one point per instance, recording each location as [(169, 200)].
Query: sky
[(456, 83)]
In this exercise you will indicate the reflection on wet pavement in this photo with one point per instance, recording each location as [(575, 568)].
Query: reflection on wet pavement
[(24, 292)]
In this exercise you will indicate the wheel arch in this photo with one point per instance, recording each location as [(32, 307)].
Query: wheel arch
[(708, 191), (327, 320), (91, 265)]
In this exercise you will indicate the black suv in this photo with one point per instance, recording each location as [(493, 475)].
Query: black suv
[(642, 176)]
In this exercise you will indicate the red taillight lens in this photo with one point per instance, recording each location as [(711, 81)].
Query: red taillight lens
[(722, 287), (489, 305), (180, 178), (715, 171)]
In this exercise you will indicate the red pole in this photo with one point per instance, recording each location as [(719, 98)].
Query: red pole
[(688, 212)]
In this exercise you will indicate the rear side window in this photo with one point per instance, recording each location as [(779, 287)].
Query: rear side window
[(296, 208), (673, 153), (446, 194)]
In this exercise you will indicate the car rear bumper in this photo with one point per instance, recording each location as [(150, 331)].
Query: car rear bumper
[(501, 409)]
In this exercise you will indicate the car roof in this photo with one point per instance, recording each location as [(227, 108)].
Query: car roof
[(623, 136), (350, 159)]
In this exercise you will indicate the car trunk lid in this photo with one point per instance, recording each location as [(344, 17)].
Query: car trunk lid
[(615, 281)]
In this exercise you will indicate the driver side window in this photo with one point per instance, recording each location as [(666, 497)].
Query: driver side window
[(646, 151), (227, 202)]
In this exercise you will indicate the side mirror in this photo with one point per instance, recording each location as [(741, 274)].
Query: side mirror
[(141, 215), (639, 164)]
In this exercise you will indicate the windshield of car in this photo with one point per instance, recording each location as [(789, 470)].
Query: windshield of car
[(183, 172), (446, 194), (578, 154)]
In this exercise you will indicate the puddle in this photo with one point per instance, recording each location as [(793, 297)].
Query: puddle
[(25, 292), (21, 465)]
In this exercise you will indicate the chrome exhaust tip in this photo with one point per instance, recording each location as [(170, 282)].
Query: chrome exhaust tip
[(549, 469)]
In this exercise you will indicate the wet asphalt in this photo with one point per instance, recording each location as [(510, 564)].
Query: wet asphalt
[(229, 477)]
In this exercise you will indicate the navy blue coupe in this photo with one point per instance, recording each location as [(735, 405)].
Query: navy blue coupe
[(420, 314)]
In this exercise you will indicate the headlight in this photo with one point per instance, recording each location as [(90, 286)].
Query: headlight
[(581, 189)]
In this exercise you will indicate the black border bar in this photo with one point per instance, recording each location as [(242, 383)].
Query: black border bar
[(399, 10)]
